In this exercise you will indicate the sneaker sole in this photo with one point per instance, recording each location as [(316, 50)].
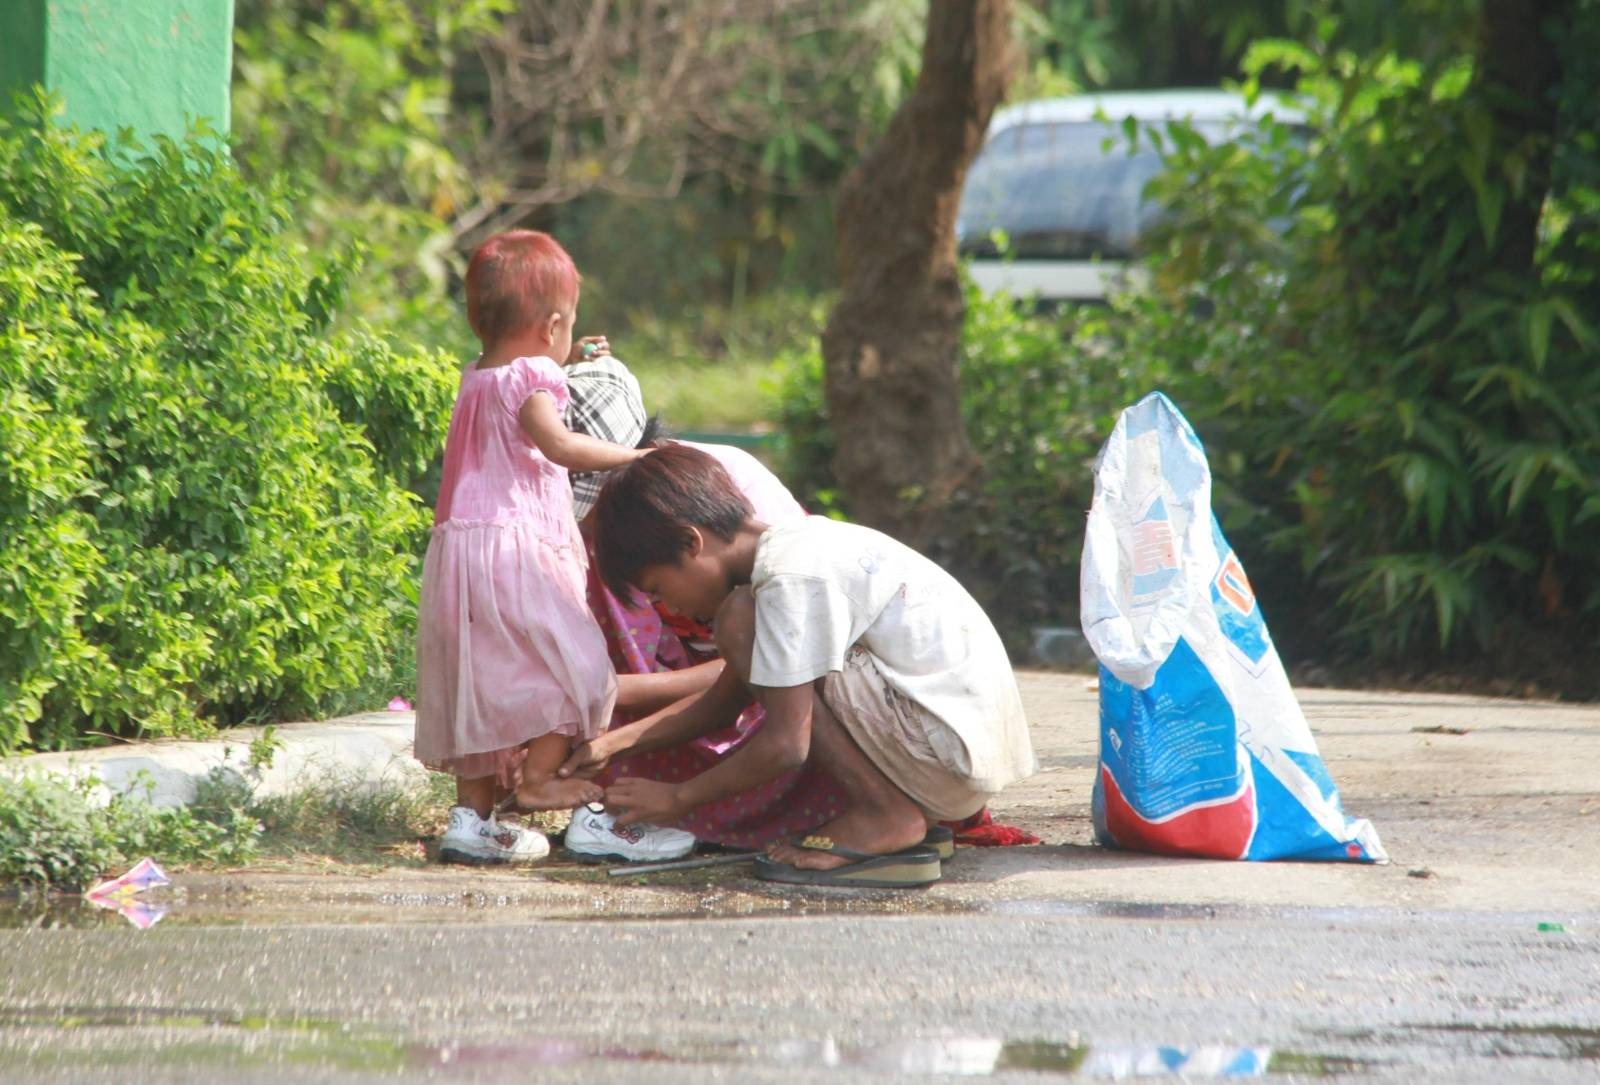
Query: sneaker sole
[(592, 859), (466, 858)]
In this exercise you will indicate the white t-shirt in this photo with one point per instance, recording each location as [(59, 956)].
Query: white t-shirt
[(822, 586)]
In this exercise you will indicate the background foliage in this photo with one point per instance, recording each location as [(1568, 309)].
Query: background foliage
[(390, 116), (202, 490), (1039, 394), (1406, 403), (349, 101), (1400, 414), (65, 835), (218, 384)]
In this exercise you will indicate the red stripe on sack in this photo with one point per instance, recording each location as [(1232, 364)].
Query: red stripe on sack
[(1222, 831)]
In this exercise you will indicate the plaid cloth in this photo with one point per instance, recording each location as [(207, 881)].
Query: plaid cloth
[(605, 402)]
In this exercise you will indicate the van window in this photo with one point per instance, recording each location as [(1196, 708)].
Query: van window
[(1060, 191)]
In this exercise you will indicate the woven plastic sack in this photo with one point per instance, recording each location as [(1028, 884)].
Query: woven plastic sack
[(1203, 747)]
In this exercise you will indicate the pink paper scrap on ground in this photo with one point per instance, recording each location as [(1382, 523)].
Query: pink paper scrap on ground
[(143, 914), (121, 894), (399, 704), (146, 874)]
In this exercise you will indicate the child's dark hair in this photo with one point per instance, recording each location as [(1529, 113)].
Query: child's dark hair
[(646, 509), (516, 279), (655, 431)]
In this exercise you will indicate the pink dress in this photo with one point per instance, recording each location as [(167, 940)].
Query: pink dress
[(506, 648)]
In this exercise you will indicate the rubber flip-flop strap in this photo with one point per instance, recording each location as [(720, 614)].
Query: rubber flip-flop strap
[(826, 845)]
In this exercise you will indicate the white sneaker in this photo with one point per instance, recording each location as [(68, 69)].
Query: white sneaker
[(478, 841), (594, 836)]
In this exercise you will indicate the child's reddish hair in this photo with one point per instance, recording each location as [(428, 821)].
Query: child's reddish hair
[(516, 279)]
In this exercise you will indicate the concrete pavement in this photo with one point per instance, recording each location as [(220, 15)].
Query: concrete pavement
[(1483, 804), (1473, 957)]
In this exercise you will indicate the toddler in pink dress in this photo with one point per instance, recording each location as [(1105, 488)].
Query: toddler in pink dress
[(511, 668)]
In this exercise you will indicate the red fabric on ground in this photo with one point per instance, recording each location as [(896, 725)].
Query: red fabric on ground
[(689, 631), (982, 831)]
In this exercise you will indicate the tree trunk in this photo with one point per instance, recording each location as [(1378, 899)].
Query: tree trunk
[(891, 345), (1521, 65)]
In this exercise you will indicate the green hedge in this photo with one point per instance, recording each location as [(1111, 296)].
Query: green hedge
[(202, 494)]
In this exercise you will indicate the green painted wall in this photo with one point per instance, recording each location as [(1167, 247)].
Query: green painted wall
[(148, 65), (21, 46)]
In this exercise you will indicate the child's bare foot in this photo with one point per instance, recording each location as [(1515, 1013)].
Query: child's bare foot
[(551, 793), (875, 835)]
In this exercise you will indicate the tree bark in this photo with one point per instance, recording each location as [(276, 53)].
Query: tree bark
[(891, 344), (1521, 67)]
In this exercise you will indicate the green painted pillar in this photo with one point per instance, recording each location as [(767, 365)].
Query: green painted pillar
[(149, 65)]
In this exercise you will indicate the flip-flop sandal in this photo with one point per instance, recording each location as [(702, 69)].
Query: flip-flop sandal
[(908, 868), (942, 839)]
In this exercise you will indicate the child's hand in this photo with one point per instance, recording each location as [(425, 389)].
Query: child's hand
[(634, 800), (589, 348)]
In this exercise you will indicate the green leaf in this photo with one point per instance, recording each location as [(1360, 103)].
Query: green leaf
[(1426, 321), (1537, 319), (1445, 597), (1490, 201), (1523, 471), (1574, 321)]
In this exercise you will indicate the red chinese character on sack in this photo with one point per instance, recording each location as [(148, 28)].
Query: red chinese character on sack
[(1152, 547)]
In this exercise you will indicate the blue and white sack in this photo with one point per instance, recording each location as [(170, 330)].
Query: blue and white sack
[(1203, 747)]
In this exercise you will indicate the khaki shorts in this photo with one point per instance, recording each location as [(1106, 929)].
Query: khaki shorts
[(918, 752)]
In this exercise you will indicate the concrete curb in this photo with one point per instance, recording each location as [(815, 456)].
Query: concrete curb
[(365, 750)]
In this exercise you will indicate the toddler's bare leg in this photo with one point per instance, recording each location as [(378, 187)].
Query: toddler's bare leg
[(540, 788), (478, 794)]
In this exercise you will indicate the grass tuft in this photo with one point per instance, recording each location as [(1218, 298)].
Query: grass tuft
[(353, 821), (60, 834)]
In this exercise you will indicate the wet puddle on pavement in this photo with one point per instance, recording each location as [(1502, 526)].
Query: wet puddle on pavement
[(213, 909), (222, 1036), (1556, 1042), (958, 1056), (212, 906), (52, 911), (91, 1035), (1100, 909), (79, 1036)]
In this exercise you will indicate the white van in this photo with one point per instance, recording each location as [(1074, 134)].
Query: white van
[(1055, 179)]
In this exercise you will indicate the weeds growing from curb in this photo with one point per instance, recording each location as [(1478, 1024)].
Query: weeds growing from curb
[(345, 820), (63, 834), (57, 833)]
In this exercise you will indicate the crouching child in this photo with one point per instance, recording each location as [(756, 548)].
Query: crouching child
[(868, 658)]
